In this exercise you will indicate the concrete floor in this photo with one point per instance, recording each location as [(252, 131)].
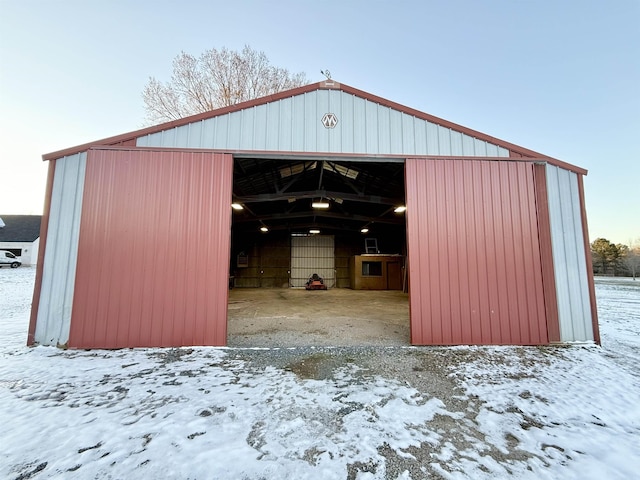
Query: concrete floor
[(337, 317)]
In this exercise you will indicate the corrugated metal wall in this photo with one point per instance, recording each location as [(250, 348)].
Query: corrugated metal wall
[(153, 256), (59, 266), (294, 125), (570, 264), (475, 265), (309, 255)]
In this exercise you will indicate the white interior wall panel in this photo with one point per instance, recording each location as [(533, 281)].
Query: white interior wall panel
[(569, 261), (61, 253), (309, 255), (294, 125)]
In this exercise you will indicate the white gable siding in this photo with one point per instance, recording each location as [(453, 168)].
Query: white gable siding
[(569, 260), (294, 125)]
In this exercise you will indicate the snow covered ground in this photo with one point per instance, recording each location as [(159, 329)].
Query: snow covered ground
[(344, 413)]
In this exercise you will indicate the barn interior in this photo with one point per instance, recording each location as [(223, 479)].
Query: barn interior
[(341, 219)]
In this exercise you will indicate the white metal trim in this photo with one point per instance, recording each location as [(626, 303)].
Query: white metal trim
[(61, 254), (569, 260)]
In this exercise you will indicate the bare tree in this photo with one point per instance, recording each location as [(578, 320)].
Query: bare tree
[(215, 79), (631, 258)]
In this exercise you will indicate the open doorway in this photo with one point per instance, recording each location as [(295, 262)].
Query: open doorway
[(341, 219)]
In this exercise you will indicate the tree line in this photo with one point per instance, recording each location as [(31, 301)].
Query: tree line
[(615, 259)]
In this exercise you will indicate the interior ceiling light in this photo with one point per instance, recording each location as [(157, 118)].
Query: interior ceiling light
[(314, 230), (237, 206), (400, 209), (320, 204), (364, 230), (264, 229)]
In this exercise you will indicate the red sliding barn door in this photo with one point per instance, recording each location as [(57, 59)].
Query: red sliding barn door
[(153, 257), (475, 266)]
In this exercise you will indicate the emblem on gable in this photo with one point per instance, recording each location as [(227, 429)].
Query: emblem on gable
[(329, 120)]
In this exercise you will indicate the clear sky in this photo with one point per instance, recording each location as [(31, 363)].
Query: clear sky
[(558, 77)]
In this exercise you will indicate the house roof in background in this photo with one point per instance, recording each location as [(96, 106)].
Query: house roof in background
[(20, 228)]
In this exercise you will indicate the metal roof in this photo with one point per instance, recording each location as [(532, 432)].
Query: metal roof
[(20, 228)]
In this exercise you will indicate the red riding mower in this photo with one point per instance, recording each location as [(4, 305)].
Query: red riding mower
[(315, 282)]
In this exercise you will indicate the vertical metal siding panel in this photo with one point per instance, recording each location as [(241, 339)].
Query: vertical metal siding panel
[(323, 106), (454, 178), (159, 295), (416, 188), (208, 130), (222, 131), (359, 125), (492, 150), (235, 130), (59, 269), (438, 255), (285, 140), (481, 223), (468, 221), (462, 242), (386, 130), (182, 136), (467, 146), (396, 135), (433, 146), (498, 255), (298, 124), (168, 138), (195, 134), (347, 124), (311, 130), (335, 134), (260, 128), (518, 319), (408, 145), (480, 148), (371, 124), (577, 264), (557, 242), (444, 141), (247, 129), (469, 236), (574, 308), (519, 196), (516, 195), (144, 141), (456, 143), (419, 129)]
